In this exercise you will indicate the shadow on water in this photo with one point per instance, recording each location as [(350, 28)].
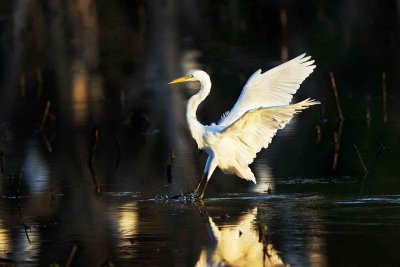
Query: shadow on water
[(93, 141)]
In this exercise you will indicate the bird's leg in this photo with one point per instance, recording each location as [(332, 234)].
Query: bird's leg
[(196, 191), (204, 189), (201, 180)]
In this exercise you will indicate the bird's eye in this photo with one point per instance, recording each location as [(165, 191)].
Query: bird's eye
[(191, 76)]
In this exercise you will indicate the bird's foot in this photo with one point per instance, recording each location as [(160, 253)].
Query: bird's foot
[(192, 196)]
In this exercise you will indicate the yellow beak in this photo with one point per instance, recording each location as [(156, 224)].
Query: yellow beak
[(180, 80)]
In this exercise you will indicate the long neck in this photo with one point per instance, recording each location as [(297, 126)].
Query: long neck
[(196, 128)]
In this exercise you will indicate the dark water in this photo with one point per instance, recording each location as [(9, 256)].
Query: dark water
[(108, 74)]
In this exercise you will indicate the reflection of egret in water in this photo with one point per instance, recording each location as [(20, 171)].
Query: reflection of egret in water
[(5, 247), (36, 171), (238, 245), (127, 219), (127, 223), (309, 246)]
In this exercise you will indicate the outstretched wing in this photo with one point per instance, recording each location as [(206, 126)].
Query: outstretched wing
[(272, 88), (254, 131)]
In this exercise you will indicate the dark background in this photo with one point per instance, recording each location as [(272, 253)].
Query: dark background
[(103, 67)]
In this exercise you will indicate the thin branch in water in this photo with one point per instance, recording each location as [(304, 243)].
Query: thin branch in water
[(21, 173), (361, 160), (362, 183), (337, 136), (52, 197), (26, 227), (94, 146), (45, 114), (93, 174), (364, 167), (368, 117), (335, 92), (382, 148), (47, 143), (336, 148), (91, 159), (384, 98), (71, 256)]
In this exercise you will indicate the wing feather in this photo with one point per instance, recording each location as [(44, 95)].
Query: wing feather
[(272, 88), (254, 131)]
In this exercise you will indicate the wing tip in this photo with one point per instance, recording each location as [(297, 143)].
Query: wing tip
[(308, 102)]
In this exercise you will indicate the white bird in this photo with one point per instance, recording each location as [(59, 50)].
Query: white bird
[(261, 110)]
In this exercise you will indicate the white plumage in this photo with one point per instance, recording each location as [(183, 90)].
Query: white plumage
[(261, 110)]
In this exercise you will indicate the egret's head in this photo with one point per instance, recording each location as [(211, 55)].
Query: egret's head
[(196, 75)]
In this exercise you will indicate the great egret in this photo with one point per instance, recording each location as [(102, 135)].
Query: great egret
[(261, 110)]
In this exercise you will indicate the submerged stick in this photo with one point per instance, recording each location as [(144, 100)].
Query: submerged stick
[(360, 158), (71, 256), (45, 114), (336, 151), (382, 148), (337, 136), (20, 178), (335, 92), (17, 201), (94, 146), (26, 227), (47, 143), (364, 167), (91, 159), (384, 98), (368, 117)]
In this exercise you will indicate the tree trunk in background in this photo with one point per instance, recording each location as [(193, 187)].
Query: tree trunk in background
[(10, 90), (162, 65)]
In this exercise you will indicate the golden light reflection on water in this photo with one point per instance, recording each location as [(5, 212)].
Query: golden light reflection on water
[(238, 245), (5, 246), (127, 222)]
